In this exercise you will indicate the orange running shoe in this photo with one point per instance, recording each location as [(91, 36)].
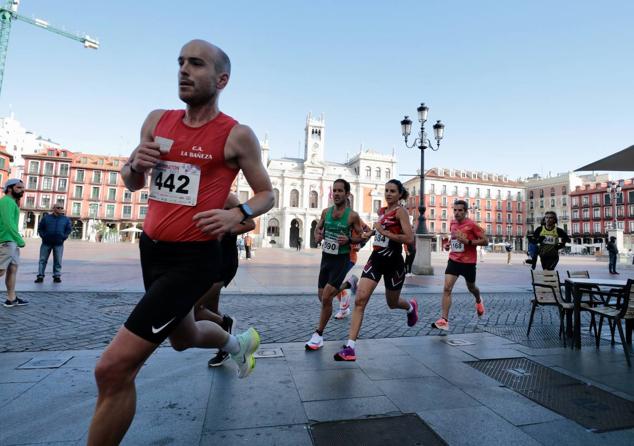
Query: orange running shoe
[(480, 307)]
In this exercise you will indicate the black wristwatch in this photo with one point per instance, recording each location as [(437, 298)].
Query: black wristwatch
[(246, 211)]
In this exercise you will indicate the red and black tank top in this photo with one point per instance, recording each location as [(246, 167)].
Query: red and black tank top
[(196, 155)]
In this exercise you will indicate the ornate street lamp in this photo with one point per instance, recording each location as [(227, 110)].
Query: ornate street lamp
[(422, 261), (422, 142)]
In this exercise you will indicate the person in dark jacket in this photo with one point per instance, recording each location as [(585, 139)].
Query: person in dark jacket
[(54, 229), (613, 251)]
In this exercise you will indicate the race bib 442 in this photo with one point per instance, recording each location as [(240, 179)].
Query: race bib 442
[(175, 183)]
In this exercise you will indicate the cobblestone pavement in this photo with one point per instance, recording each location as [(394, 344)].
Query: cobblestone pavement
[(86, 320)]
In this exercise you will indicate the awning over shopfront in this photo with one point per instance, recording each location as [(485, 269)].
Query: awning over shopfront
[(622, 161)]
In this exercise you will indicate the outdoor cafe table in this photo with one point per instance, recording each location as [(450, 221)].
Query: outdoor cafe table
[(574, 290)]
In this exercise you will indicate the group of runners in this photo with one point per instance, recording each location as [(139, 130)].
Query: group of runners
[(188, 246)]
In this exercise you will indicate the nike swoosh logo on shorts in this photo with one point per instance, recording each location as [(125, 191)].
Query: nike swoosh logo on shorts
[(156, 330)]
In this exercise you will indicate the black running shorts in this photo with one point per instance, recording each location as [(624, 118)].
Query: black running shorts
[(466, 270), (229, 267), (333, 269), (175, 276), (390, 267)]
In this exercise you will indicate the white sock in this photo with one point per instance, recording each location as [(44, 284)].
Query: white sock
[(232, 345), (411, 308), (350, 343)]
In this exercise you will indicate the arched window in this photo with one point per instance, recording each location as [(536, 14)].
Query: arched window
[(294, 198), (378, 173), (368, 172), (388, 174), (314, 200), (273, 228), (276, 198)]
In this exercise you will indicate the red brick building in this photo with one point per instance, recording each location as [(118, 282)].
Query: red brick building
[(593, 213), (5, 164), (496, 203), (90, 188)]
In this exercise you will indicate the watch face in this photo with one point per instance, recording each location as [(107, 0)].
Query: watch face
[(246, 210)]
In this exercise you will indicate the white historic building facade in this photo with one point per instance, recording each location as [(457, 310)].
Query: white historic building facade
[(302, 188)]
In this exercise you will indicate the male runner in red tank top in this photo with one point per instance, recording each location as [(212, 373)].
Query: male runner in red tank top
[(465, 236), (194, 155)]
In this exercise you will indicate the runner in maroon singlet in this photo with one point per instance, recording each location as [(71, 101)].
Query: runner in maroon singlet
[(392, 231)]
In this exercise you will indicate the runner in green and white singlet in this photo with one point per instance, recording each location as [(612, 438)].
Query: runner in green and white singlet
[(334, 231)]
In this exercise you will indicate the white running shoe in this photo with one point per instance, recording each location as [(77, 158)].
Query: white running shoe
[(342, 313), (315, 343), (249, 343)]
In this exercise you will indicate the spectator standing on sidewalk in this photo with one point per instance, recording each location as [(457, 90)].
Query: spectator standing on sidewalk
[(240, 244), (54, 229), (613, 251), (509, 249), (299, 243), (248, 243), (10, 239)]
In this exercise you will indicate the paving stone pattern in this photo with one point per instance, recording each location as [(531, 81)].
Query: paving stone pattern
[(85, 320)]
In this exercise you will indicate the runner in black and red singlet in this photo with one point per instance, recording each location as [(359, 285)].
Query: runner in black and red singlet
[(392, 230), (193, 155)]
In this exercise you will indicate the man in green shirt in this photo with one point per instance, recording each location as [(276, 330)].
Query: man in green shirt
[(10, 239)]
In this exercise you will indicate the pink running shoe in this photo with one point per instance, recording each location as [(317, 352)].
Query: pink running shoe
[(346, 354), (412, 317)]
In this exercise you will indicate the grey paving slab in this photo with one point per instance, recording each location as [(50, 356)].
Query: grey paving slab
[(190, 393), (476, 426), (54, 409), (393, 367), (14, 375), (294, 435), (418, 394), (266, 398), (511, 406), (334, 384), (461, 375), (163, 427), (10, 391), (567, 432), (47, 418), (350, 408)]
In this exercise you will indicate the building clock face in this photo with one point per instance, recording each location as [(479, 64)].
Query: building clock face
[(315, 149)]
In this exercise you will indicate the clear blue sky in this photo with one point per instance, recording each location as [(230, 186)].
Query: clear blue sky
[(523, 86)]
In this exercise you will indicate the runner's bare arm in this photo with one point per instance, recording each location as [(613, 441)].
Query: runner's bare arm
[(145, 156), (242, 151), (481, 240), (319, 236), (357, 227)]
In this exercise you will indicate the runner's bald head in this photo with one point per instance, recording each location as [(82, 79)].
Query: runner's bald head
[(221, 61)]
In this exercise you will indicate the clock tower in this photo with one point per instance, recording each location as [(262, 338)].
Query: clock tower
[(314, 149)]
